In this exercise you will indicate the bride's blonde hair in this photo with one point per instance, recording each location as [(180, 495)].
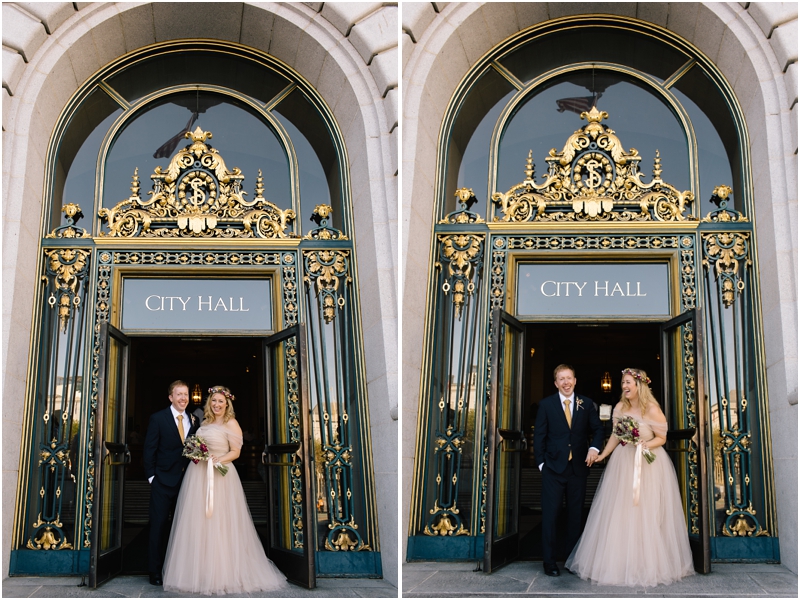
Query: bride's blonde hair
[(208, 414), (643, 388)]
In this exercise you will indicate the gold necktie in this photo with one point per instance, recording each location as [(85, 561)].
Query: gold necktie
[(180, 428), (569, 420)]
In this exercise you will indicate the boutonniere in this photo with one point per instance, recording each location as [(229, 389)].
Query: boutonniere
[(578, 404)]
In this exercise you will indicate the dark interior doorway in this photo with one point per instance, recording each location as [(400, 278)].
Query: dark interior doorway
[(236, 363), (592, 349)]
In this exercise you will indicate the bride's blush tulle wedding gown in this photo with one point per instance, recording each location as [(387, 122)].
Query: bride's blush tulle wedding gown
[(642, 545), (221, 554)]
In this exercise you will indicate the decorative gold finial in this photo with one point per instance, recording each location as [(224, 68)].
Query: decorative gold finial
[(464, 194), (73, 212), (259, 186), (594, 115), (135, 185), (530, 168), (198, 135), (722, 192), (657, 166), (323, 210)]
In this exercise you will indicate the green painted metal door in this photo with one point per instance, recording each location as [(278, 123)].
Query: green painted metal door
[(685, 405), (110, 456), (287, 456), (506, 442)]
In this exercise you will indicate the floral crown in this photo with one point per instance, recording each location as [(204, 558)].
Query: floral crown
[(635, 375), (221, 390)]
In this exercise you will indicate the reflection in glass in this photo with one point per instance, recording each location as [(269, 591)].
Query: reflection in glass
[(241, 136), (717, 138), (468, 150), (57, 424), (76, 162), (454, 402), (297, 110), (508, 416), (339, 486), (639, 118), (314, 188), (738, 495), (110, 512)]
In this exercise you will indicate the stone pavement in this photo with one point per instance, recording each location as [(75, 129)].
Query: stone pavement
[(527, 580), (137, 586)]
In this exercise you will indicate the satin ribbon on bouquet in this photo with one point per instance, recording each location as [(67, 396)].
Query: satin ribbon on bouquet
[(637, 473), (209, 488)]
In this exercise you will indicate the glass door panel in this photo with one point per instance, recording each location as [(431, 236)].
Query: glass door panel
[(506, 442), (685, 409), (286, 456), (110, 455)]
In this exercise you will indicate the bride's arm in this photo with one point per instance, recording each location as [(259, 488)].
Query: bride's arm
[(235, 451), (612, 443)]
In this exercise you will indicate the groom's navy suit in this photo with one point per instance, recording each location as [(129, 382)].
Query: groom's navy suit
[(163, 459), (553, 440)]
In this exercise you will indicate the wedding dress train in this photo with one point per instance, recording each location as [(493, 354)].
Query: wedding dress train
[(635, 545), (221, 554)]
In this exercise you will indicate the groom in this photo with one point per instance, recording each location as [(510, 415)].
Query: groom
[(563, 423), (164, 467)]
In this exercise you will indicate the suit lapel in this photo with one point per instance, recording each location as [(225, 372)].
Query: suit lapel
[(576, 410)]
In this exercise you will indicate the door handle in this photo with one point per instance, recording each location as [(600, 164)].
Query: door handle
[(113, 449), (507, 436), (297, 456)]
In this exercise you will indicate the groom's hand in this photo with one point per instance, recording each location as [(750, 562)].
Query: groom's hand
[(591, 457)]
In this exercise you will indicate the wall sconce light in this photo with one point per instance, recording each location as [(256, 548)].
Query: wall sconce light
[(605, 382), (197, 394)]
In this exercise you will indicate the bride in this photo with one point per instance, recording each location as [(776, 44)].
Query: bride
[(636, 532), (220, 553)]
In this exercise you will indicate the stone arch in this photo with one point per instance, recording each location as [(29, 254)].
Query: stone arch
[(326, 48), (441, 43)]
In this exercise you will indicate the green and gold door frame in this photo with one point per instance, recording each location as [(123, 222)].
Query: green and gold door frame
[(196, 229), (595, 210)]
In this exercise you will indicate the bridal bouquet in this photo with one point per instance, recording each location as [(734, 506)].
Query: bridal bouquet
[(196, 449), (626, 430)]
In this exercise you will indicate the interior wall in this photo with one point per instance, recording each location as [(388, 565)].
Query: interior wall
[(755, 47)]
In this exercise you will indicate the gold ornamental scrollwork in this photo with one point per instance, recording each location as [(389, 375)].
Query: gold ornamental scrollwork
[(69, 231), (325, 270), (463, 216), (723, 214), (321, 216), (445, 522), (197, 196), (463, 253), (729, 252), (593, 178), (344, 538), (48, 536), (67, 267)]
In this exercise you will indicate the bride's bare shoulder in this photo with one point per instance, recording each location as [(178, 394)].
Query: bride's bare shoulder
[(233, 427)]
